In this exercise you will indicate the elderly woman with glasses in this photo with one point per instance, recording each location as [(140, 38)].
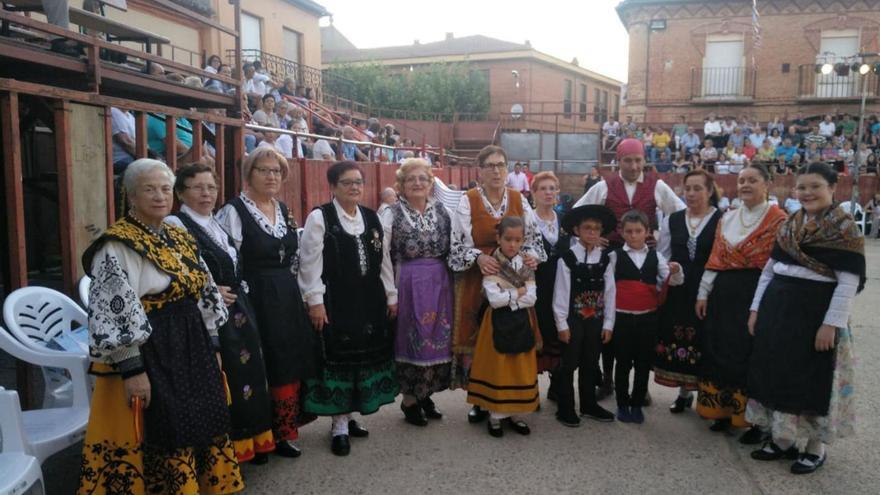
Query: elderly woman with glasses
[(347, 282), (418, 228), (240, 349), (267, 243), (159, 421), (473, 240)]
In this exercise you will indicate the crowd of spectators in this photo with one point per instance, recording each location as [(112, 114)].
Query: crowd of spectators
[(729, 144)]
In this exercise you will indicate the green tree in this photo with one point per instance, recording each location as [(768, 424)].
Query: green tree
[(439, 88)]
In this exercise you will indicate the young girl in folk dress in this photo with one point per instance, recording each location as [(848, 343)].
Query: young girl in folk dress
[(503, 377)]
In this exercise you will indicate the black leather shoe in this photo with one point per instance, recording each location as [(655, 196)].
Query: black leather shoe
[(598, 413), (495, 429), (720, 425), (413, 415), (340, 445), (569, 419), (476, 415), (681, 403), (356, 430), (518, 426), (260, 458), (286, 448), (807, 463), (772, 452), (430, 409), (753, 436)]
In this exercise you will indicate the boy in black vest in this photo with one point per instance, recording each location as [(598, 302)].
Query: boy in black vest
[(584, 283), (640, 273)]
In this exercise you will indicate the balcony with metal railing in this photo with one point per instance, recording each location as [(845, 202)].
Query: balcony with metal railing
[(313, 82), (723, 84), (813, 85)]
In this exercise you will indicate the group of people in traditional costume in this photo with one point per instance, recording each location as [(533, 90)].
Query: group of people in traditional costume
[(215, 336)]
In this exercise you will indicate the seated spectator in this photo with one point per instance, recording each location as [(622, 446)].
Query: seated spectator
[(288, 87), (350, 151), (781, 167), (678, 131), (723, 201), (795, 162), (766, 153), (795, 138), (219, 86), (747, 124), (870, 167), (757, 137), (800, 124), (156, 139), (791, 204), (282, 109), (848, 126), (722, 165), (775, 138), (690, 142), (404, 155), (737, 138), (123, 133), (639, 133), (663, 165), (610, 134), (863, 153), (749, 150), (213, 65), (738, 159), (777, 125), (322, 150), (786, 149), (648, 140), (266, 116), (680, 164), (708, 154), (847, 155), (730, 149), (830, 156), (814, 137), (660, 143), (254, 82), (813, 153), (827, 128), (297, 119), (728, 126), (282, 143), (712, 130)]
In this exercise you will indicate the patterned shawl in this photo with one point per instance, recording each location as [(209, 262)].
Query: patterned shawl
[(753, 252), (516, 278), (830, 241)]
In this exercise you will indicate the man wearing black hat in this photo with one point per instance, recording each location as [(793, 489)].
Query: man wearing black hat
[(584, 286)]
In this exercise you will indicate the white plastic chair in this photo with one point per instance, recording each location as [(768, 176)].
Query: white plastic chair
[(82, 288), (36, 315), (860, 217), (19, 470), (47, 431)]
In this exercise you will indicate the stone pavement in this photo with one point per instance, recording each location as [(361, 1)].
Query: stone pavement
[(668, 454)]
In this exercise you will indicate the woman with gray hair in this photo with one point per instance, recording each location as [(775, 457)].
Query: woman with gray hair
[(268, 246), (419, 230), (159, 421)]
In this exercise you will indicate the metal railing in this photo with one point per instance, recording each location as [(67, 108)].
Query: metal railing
[(303, 76), (815, 85), (564, 166), (723, 82)]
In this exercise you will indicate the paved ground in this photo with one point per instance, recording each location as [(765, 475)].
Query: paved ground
[(667, 454)]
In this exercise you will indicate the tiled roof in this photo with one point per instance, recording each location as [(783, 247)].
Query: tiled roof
[(451, 46), (333, 40)]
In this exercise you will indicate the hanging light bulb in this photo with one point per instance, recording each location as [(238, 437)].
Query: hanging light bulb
[(864, 69), (827, 68)]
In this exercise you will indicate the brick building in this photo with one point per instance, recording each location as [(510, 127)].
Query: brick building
[(694, 57), (527, 88)]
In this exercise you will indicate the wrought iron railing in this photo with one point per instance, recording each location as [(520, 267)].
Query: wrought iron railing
[(812, 84), (723, 82), (309, 78)]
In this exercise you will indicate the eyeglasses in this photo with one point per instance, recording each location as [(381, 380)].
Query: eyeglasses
[(351, 182), (203, 188), (422, 179), (265, 172), (495, 165)]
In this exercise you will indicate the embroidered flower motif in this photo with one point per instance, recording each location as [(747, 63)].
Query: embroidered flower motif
[(244, 356), (240, 320), (247, 392)]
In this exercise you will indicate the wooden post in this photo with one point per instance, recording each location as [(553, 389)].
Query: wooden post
[(140, 124), (17, 268), (220, 161), (237, 71), (64, 167), (108, 166), (237, 157), (196, 153), (171, 141)]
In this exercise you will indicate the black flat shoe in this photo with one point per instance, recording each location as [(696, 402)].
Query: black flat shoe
[(681, 403), (772, 452), (430, 409), (495, 429), (476, 415), (753, 436), (720, 425), (286, 448), (340, 445), (569, 419), (807, 463), (260, 458), (598, 413), (518, 426), (356, 430), (413, 415)]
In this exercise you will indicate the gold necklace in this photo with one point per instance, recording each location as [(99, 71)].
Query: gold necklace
[(746, 227)]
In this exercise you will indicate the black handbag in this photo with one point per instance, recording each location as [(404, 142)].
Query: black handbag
[(512, 331)]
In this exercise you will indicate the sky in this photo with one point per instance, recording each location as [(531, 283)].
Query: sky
[(587, 29)]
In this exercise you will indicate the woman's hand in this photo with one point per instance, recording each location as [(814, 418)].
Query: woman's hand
[(825, 338), (229, 297), (606, 336), (603, 242), (564, 336), (219, 361), (674, 267), (392, 311), (318, 316), (700, 308), (137, 386), (530, 261), (520, 291), (753, 318), (488, 265)]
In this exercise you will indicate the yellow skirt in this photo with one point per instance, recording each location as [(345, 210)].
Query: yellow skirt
[(115, 464), (722, 403), (503, 383), (247, 448)]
